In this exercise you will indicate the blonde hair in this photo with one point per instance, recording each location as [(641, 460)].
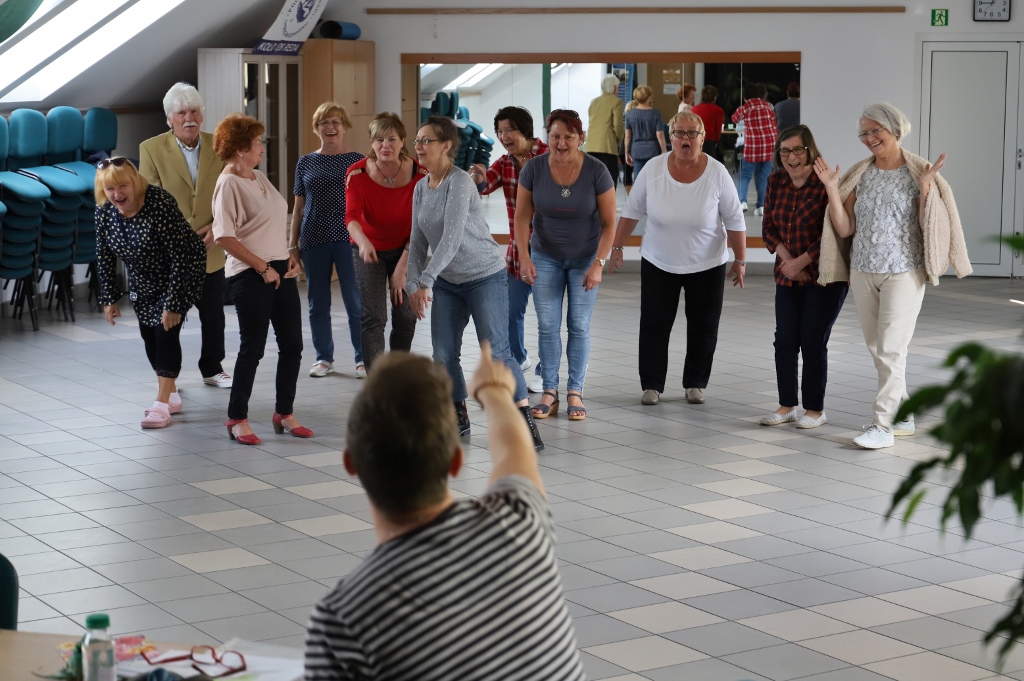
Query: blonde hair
[(642, 94), (382, 124), (630, 105), (328, 109), (112, 176), (687, 116)]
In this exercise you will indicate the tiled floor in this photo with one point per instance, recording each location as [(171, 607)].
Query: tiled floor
[(695, 544)]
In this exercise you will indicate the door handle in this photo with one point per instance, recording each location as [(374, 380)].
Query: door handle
[(1020, 154)]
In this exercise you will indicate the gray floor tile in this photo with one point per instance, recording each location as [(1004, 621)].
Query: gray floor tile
[(749, 575), (937, 570), (324, 566), (212, 607), (735, 605), (578, 577), (632, 567), (591, 551), (930, 633), (807, 593), (142, 570), (597, 669), (847, 674), (614, 597), (703, 670), (874, 581), (255, 577), (595, 630), (175, 588), (785, 662), (983, 617), (725, 638), (299, 594), (258, 627), (817, 564), (648, 541), (763, 548)]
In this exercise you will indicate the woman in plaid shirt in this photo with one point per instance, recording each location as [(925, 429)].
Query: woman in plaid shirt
[(794, 213)]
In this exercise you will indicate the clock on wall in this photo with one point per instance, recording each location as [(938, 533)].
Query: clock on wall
[(991, 10)]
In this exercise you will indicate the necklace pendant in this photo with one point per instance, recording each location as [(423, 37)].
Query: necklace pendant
[(389, 181), (566, 192)]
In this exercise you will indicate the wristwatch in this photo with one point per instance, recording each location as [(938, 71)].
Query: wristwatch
[(601, 261)]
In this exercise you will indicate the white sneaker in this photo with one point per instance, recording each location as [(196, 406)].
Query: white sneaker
[(743, 205), (535, 384), (360, 371), (221, 380), (805, 422), (776, 419), (759, 211), (527, 364), (904, 428), (695, 396), (874, 437), (321, 369)]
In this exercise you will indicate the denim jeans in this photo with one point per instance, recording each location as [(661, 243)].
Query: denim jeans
[(318, 261), (518, 298), (555, 278), (759, 170), (486, 301), (804, 316), (638, 165)]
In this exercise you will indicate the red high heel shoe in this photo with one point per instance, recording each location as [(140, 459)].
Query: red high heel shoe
[(297, 431), (250, 439)]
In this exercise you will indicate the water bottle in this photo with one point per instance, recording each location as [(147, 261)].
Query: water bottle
[(98, 662)]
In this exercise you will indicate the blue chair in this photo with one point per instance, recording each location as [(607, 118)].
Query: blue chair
[(8, 595)]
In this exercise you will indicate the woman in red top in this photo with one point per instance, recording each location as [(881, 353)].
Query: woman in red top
[(378, 214), (713, 117)]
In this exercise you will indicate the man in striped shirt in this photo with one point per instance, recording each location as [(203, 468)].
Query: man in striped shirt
[(459, 590)]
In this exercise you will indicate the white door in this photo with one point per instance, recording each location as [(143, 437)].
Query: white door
[(970, 112)]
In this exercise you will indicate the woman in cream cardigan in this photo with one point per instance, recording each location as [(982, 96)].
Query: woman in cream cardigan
[(902, 221)]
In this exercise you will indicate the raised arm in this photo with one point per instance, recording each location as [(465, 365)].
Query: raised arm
[(843, 220)]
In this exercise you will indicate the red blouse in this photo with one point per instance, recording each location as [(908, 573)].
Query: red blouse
[(385, 213)]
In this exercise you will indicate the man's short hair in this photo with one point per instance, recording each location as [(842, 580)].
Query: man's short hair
[(402, 433), (182, 96), (518, 118)]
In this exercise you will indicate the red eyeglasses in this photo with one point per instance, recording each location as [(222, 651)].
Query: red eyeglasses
[(205, 659)]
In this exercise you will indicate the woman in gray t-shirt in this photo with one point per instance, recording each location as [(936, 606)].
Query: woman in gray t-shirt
[(572, 200), (466, 272)]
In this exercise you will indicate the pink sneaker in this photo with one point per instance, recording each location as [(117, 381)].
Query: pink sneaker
[(157, 416)]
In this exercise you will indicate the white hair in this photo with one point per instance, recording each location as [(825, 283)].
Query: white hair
[(180, 96), (891, 118), (610, 84)]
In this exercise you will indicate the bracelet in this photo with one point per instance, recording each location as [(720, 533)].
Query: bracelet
[(490, 384), (266, 270), (293, 248), (616, 248), (741, 262)]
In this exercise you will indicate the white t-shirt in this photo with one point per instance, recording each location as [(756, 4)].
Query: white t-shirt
[(686, 223)]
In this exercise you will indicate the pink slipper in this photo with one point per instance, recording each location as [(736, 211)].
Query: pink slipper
[(174, 405), (157, 416)]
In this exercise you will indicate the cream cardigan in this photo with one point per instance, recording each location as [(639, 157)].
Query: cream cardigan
[(943, 236)]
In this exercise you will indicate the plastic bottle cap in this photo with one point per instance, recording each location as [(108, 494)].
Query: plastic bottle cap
[(97, 621)]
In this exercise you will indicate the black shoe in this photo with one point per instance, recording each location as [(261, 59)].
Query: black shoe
[(463, 415), (538, 444)]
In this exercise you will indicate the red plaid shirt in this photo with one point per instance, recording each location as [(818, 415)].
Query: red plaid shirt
[(794, 218), (759, 129), (503, 173)]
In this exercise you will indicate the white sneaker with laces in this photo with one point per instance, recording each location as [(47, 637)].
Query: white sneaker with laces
[(806, 422), (874, 437), (695, 396), (759, 211), (904, 428), (743, 205), (527, 364), (360, 371), (221, 380), (321, 369), (535, 384)]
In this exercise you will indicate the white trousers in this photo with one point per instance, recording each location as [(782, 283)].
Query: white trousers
[(888, 305)]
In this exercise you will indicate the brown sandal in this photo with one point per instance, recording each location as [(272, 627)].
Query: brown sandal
[(542, 411)]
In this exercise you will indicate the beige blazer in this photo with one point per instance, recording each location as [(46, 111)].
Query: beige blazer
[(162, 163)]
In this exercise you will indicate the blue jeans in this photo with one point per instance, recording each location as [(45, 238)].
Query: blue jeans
[(554, 278), (318, 261), (518, 298), (486, 301), (638, 165), (759, 170)]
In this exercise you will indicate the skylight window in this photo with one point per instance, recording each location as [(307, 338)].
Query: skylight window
[(427, 69), (111, 36), (472, 76)]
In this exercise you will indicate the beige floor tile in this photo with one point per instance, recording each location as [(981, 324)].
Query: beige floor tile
[(223, 559), (713, 533), (665, 617), (686, 585), (330, 524), (763, 434), (726, 509), (749, 468), (992, 587), (761, 450), (232, 485), (796, 625), (642, 654), (934, 600), (928, 667), (739, 487), (226, 520), (699, 557), (317, 460), (637, 677), (325, 490), (867, 612), (860, 647)]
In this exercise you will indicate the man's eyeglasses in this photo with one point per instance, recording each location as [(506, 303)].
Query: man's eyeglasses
[(116, 161), (869, 133), (690, 134), (205, 659), (796, 151), (422, 142)]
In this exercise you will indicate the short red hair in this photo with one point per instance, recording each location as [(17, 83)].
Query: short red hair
[(235, 133), (567, 117)]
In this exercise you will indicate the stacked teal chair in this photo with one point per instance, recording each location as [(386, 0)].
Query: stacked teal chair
[(26, 154), (19, 237), (8, 595)]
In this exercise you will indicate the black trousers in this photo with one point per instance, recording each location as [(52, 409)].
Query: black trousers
[(211, 318), (611, 162), (703, 293), (374, 290), (804, 316), (163, 348), (627, 171), (260, 306)]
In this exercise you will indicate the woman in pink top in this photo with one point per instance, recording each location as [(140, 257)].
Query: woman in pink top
[(250, 222)]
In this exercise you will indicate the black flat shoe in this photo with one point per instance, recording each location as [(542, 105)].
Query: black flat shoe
[(462, 413), (538, 444)]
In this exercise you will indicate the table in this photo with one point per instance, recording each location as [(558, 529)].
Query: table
[(24, 652)]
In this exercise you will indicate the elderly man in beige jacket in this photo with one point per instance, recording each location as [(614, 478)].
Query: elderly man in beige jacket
[(606, 132), (182, 161)]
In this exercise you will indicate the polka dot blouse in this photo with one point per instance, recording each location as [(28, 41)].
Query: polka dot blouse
[(165, 259), (320, 181)]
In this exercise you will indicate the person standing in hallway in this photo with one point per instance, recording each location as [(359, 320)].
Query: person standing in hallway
[(182, 161), (794, 212), (714, 119), (905, 232), (513, 125), (685, 94), (606, 129), (787, 112), (645, 131), (759, 130)]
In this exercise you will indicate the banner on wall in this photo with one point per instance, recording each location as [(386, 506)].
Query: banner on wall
[(291, 28), (626, 74)]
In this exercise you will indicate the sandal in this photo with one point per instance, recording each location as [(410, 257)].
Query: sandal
[(576, 413), (542, 411)]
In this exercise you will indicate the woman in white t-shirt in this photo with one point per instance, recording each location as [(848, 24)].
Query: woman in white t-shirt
[(693, 214)]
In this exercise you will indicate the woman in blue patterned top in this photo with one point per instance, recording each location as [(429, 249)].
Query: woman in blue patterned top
[(319, 233), (166, 265), (645, 131)]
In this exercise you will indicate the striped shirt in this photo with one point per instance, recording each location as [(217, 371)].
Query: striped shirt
[(475, 594)]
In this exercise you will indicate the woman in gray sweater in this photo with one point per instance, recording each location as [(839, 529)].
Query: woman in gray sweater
[(466, 272)]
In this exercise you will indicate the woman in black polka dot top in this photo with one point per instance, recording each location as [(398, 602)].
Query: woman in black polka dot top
[(166, 264)]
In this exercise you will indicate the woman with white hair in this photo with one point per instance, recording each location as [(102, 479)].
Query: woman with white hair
[(900, 215), (606, 131)]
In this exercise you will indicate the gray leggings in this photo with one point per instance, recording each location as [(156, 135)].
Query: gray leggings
[(373, 280)]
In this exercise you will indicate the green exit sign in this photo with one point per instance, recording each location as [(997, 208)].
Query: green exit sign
[(940, 17)]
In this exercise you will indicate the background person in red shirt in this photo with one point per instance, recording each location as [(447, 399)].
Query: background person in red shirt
[(758, 117), (713, 117)]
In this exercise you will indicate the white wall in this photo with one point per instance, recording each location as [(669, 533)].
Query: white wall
[(572, 87), (133, 129), (518, 85)]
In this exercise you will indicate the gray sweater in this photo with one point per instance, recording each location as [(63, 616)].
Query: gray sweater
[(450, 219)]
